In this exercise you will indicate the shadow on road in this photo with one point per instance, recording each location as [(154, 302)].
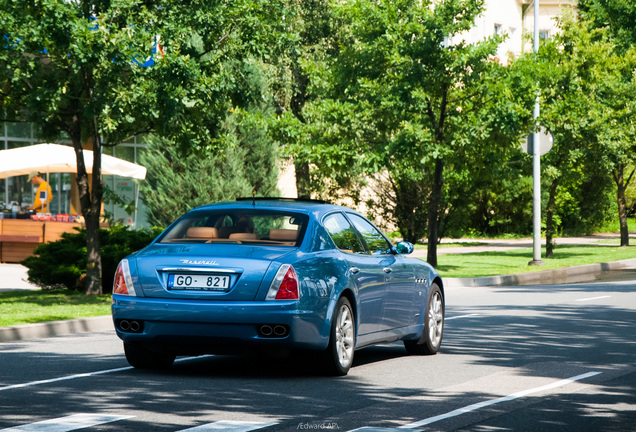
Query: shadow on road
[(520, 338)]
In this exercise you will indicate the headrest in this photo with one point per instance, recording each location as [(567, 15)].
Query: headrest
[(283, 234), (202, 233)]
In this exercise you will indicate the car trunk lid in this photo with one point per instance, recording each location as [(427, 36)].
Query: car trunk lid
[(203, 271)]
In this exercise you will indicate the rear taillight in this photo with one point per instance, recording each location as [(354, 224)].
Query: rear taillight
[(285, 285), (123, 282)]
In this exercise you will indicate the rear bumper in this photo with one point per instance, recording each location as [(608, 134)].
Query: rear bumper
[(217, 327)]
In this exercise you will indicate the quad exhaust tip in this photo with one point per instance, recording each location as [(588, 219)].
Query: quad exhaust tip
[(273, 330), (130, 326)]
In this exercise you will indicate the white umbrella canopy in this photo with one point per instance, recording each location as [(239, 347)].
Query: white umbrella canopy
[(56, 158)]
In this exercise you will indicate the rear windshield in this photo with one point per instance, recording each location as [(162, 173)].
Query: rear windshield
[(238, 227)]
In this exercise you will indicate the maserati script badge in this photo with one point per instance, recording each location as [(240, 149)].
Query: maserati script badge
[(187, 261)]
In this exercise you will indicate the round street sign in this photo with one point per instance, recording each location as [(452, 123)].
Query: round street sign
[(545, 142)]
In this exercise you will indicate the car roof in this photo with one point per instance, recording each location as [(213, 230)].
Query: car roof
[(286, 204)]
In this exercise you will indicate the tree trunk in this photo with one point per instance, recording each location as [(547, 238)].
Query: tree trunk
[(93, 244), (621, 185), (433, 212), (298, 100), (90, 202), (408, 208), (549, 223), (303, 185)]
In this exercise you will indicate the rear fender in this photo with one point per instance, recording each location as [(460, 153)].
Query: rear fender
[(350, 295), (436, 279)]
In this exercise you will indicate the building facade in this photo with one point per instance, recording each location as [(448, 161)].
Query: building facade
[(515, 19)]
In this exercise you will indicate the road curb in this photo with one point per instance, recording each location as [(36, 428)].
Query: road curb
[(574, 274), (56, 328)]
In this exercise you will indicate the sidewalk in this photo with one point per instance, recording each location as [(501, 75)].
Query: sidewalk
[(486, 245), (13, 277)]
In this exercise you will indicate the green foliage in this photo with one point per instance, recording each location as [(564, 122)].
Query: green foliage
[(244, 159), (62, 264), (391, 91), (192, 180), (616, 15), (59, 264), (586, 74), (87, 69)]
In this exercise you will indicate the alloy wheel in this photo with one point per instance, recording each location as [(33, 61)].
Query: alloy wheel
[(344, 335), (435, 319)]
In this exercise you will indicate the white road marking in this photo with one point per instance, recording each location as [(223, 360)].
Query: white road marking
[(229, 426), (593, 298), (508, 398), (463, 316), (69, 423), (65, 378), (84, 375)]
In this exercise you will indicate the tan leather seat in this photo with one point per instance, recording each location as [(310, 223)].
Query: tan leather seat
[(202, 233), (283, 234)]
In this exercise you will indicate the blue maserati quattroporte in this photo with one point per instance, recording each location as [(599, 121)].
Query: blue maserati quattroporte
[(274, 275)]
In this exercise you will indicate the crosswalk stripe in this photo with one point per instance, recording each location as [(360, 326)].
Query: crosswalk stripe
[(229, 426), (69, 423)]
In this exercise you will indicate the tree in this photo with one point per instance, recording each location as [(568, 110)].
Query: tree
[(614, 139), (594, 59), (614, 136), (87, 68), (245, 162), (403, 92), (563, 106), (310, 25), (617, 16), (191, 181)]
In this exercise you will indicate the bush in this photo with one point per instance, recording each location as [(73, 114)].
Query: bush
[(62, 264)]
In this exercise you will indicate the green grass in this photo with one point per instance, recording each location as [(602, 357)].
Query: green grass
[(28, 307), (516, 260)]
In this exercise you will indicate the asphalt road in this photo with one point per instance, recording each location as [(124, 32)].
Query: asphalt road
[(540, 358)]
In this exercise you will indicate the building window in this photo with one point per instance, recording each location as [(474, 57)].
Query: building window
[(497, 29)]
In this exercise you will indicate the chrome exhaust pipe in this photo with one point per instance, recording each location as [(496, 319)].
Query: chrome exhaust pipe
[(135, 326), (280, 331), (266, 330)]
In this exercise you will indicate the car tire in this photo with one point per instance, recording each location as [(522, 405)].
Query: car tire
[(338, 357), (142, 356), (431, 338)]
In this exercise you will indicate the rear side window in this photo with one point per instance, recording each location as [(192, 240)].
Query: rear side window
[(342, 233), (238, 227), (376, 243)]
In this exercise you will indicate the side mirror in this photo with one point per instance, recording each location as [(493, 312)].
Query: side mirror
[(404, 248)]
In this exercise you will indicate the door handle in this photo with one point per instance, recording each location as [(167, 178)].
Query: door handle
[(354, 270), (387, 269)]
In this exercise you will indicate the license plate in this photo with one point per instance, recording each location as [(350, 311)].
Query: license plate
[(198, 282)]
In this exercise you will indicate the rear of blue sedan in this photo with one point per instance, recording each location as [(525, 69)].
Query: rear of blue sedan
[(233, 278)]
